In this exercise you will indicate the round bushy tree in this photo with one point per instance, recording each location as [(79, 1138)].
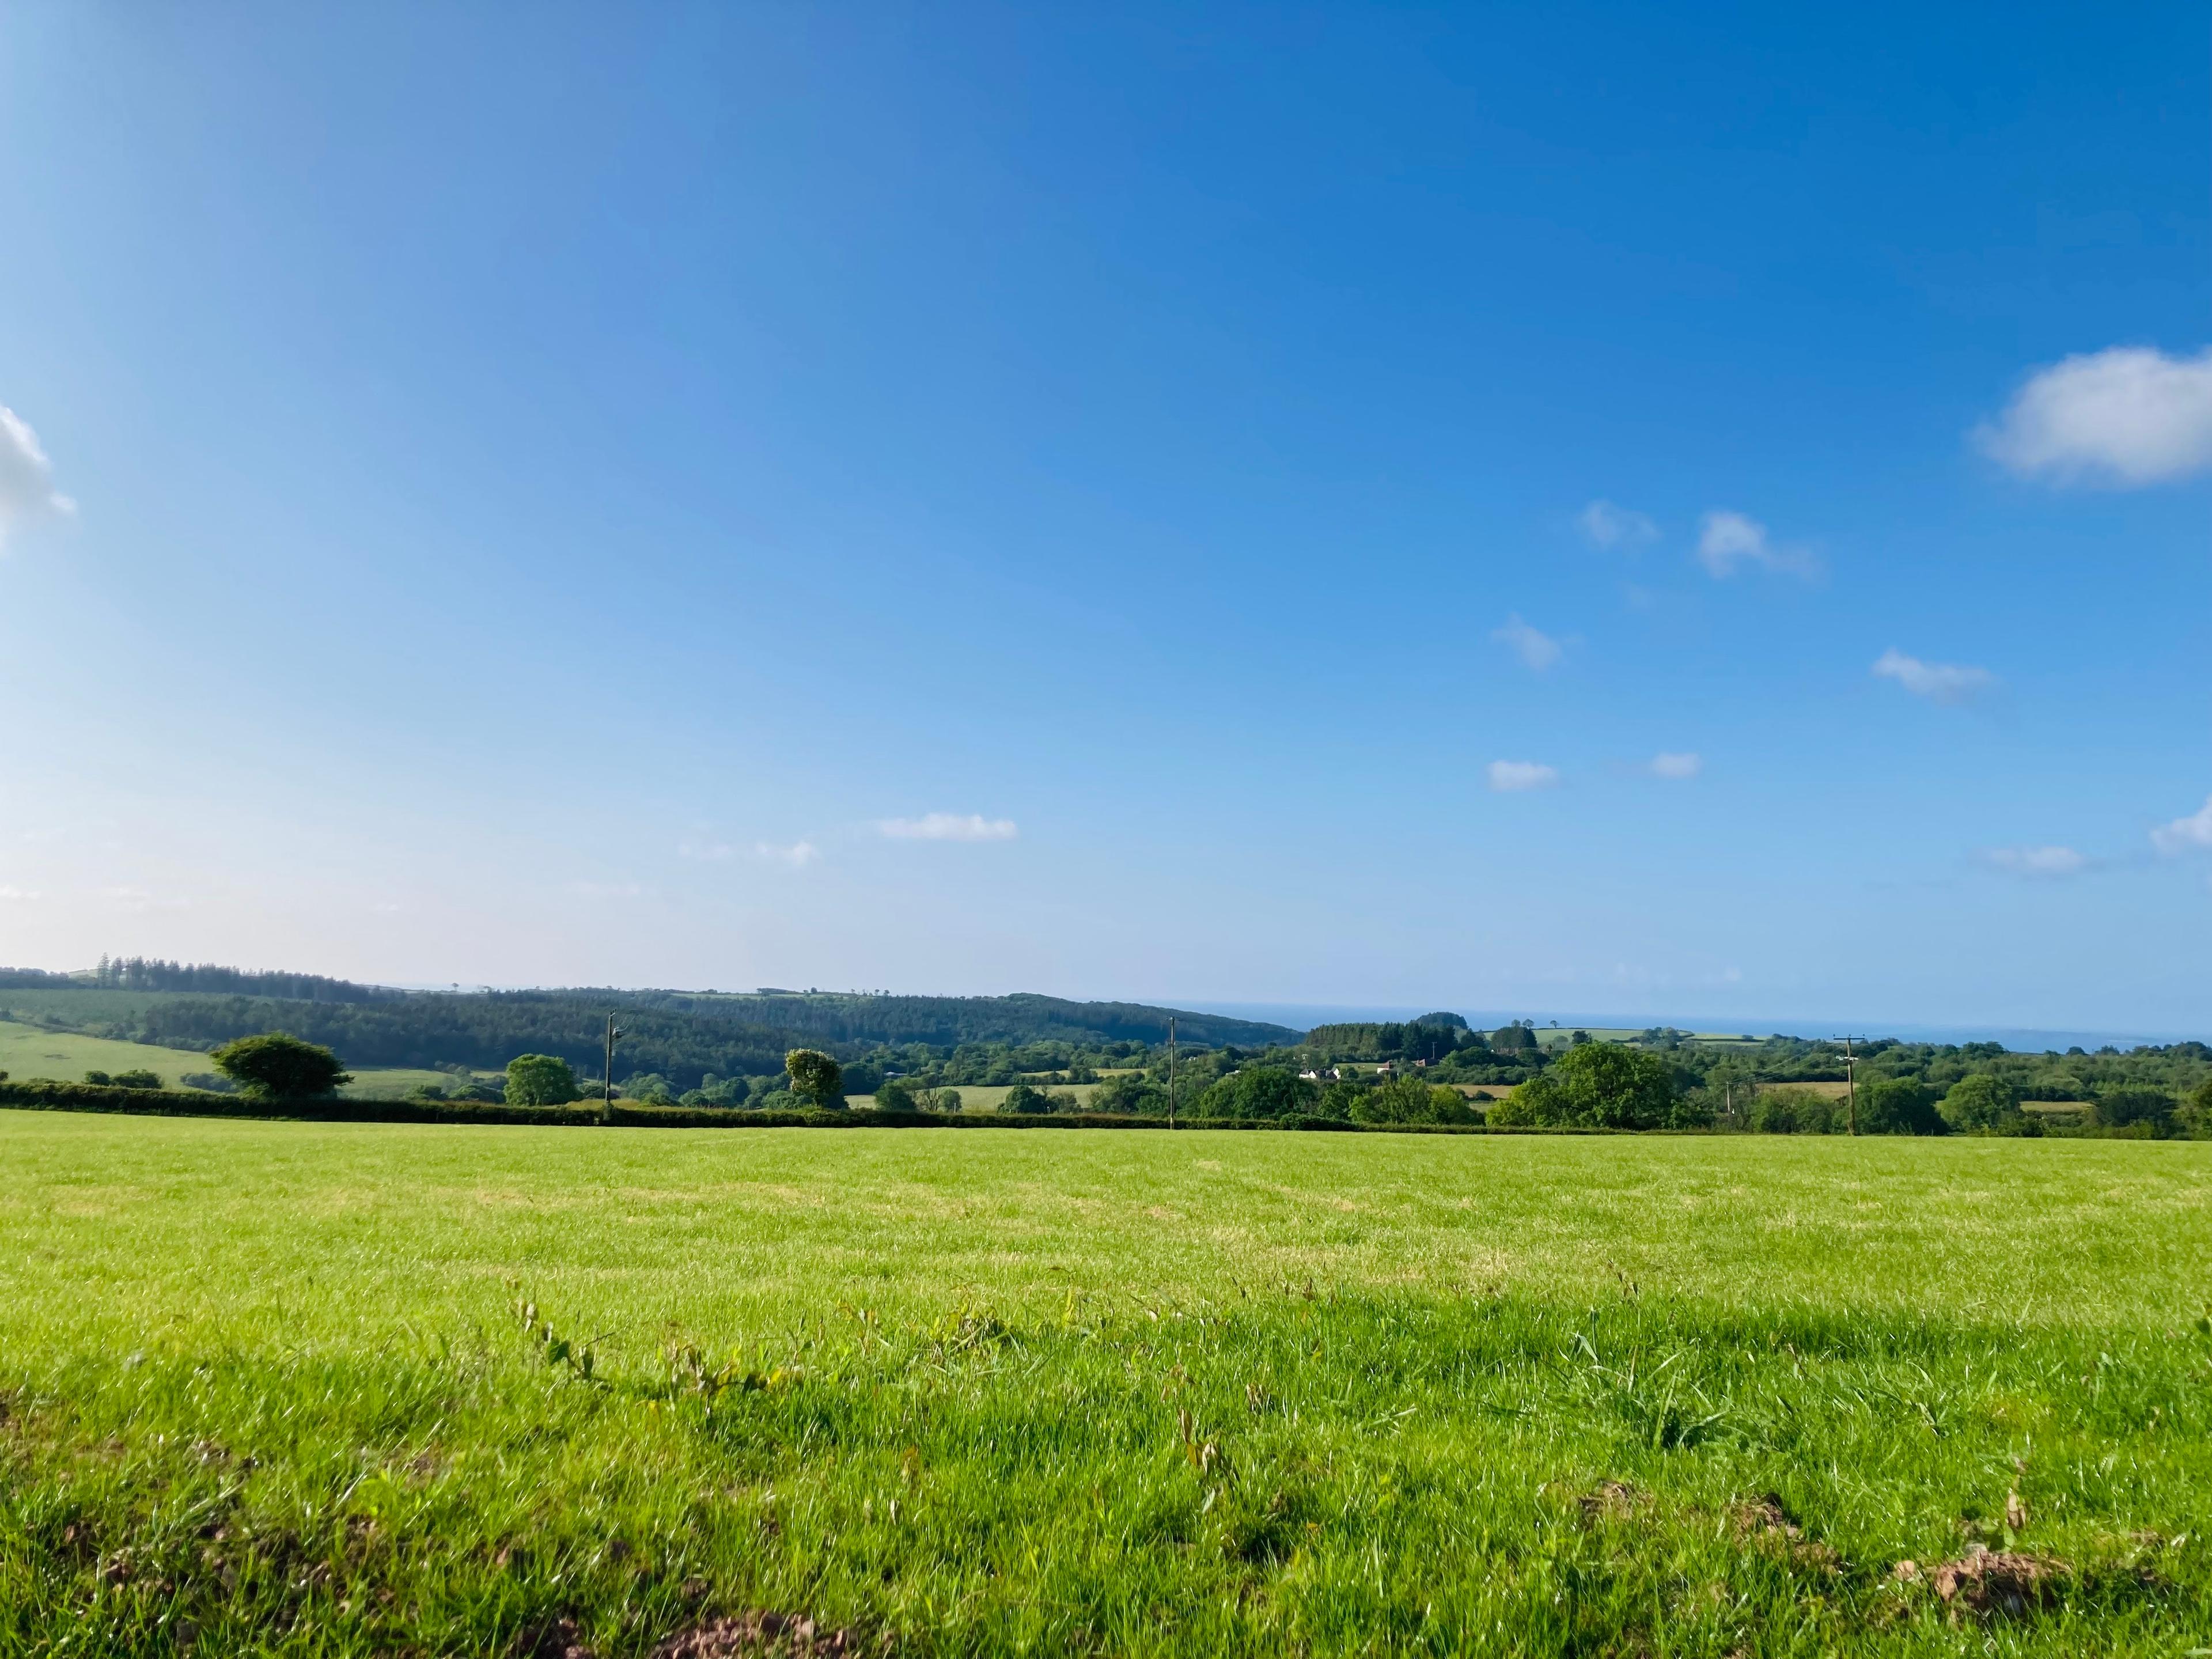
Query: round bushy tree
[(541, 1080), (276, 1065), (816, 1079), (1025, 1099)]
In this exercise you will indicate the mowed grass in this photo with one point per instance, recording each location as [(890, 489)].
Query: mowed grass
[(983, 1391)]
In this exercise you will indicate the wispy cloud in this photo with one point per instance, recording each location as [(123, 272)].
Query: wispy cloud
[(1668, 764), (949, 826), (1729, 541), (18, 895), (2191, 834), (1604, 525), (2129, 416), (798, 855), (1938, 682), (2036, 861), (1536, 648), (1510, 777), (26, 476)]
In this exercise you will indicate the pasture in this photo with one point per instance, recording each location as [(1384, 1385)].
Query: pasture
[(267, 1388), (28, 1051)]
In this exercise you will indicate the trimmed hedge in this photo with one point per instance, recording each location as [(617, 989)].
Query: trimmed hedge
[(41, 1096)]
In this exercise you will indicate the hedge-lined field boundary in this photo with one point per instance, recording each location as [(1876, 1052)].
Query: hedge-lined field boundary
[(40, 1097)]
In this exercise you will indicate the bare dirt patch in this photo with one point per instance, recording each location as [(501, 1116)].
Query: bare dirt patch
[(758, 1636)]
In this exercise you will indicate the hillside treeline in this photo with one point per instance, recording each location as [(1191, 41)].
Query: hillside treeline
[(683, 1038)]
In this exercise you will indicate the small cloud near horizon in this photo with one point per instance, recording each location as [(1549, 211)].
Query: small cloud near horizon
[(1606, 526), (948, 826), (1536, 649), (1510, 777), (2191, 834), (1668, 764), (2036, 861), (1939, 682), (2126, 417), (1727, 541), (27, 478)]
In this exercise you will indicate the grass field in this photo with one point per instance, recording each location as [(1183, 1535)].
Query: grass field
[(266, 1391), (26, 1052)]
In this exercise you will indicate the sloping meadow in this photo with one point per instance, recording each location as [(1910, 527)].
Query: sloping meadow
[(376, 1388)]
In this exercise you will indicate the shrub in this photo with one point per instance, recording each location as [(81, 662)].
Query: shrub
[(894, 1093), (1025, 1098), (541, 1080), (276, 1065), (212, 1083)]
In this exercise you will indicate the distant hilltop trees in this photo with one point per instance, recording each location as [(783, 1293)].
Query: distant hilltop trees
[(152, 974)]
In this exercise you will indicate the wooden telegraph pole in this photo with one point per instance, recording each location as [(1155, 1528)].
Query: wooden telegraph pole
[(1850, 1088), (607, 1076), (1170, 1071)]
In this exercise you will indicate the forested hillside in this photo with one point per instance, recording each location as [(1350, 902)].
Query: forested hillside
[(681, 1035)]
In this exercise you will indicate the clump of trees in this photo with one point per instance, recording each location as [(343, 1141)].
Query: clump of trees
[(276, 1066), (1603, 1085), (136, 1078)]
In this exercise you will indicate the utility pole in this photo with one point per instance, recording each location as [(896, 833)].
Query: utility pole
[(1170, 1071), (607, 1076), (1850, 1088)]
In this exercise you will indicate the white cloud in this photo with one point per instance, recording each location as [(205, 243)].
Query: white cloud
[(26, 476), (2191, 834), (1727, 541), (798, 855), (1607, 526), (18, 895), (1509, 776), (2129, 415), (1939, 682), (2037, 860), (708, 852), (949, 826), (1669, 765), (1538, 649)]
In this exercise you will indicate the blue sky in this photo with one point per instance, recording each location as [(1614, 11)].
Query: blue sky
[(1204, 503)]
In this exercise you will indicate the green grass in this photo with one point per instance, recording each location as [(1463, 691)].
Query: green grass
[(26, 1052), (1197, 1393)]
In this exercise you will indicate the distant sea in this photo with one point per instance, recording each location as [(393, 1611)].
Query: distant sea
[(1304, 1016)]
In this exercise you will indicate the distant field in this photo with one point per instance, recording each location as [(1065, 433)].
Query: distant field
[(28, 1052), (985, 1393)]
